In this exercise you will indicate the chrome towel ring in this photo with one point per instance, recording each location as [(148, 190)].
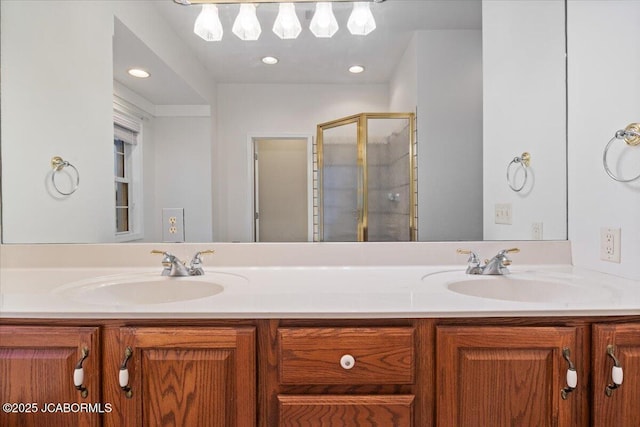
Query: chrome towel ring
[(524, 161), (58, 164), (631, 135)]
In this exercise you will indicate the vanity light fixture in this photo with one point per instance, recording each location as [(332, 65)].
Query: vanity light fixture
[(190, 2), (270, 60), (208, 25), (138, 72), (287, 25), (246, 26), (356, 69), (361, 21), (324, 23)]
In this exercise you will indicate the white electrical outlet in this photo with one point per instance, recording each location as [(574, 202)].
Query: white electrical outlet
[(536, 231), (173, 225), (503, 213), (610, 244)]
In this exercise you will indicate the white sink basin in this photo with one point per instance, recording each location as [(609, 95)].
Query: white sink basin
[(146, 288), (520, 287)]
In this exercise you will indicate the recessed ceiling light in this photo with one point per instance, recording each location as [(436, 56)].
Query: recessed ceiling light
[(356, 69), (139, 73), (270, 60)]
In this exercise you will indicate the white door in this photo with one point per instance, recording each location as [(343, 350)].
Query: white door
[(281, 190)]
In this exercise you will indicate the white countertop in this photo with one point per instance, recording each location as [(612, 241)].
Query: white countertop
[(323, 292)]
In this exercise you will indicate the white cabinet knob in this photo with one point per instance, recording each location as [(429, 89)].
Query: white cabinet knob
[(347, 361)]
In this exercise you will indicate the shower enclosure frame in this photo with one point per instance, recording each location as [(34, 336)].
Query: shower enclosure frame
[(362, 182)]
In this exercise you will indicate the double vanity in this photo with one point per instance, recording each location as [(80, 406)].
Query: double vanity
[(316, 334)]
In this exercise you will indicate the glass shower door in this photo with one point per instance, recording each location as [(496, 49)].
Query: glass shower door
[(388, 169), (340, 176), (367, 178)]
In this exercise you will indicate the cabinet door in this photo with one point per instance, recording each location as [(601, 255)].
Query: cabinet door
[(506, 376), (190, 376), (622, 406), (37, 366), (345, 411)]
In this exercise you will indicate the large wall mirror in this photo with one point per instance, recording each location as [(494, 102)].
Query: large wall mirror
[(173, 156)]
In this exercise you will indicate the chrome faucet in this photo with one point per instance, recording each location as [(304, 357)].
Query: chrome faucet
[(174, 267), (495, 266)]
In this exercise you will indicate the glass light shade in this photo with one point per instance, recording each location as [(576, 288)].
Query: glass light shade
[(361, 21), (246, 25), (208, 25), (323, 24), (287, 25)]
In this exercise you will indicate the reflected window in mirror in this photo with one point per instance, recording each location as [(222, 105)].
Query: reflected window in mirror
[(127, 140)]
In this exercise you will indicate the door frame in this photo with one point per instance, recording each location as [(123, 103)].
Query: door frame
[(251, 151)]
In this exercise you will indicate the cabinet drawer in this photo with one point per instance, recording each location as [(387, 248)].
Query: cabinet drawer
[(346, 411), (313, 355)]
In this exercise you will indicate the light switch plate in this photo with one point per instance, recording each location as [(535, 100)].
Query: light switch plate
[(173, 225), (610, 244), (503, 213)]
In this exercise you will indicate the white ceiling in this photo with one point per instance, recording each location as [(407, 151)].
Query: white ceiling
[(164, 87), (304, 60)]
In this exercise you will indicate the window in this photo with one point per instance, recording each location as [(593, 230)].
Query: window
[(127, 173)]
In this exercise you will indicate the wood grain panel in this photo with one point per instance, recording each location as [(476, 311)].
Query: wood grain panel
[(182, 382), (504, 376), (312, 355), (346, 411), (36, 369), (191, 376), (622, 409)]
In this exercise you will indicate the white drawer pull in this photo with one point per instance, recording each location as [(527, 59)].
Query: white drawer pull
[(617, 375), (78, 374), (572, 375), (123, 374), (347, 361)]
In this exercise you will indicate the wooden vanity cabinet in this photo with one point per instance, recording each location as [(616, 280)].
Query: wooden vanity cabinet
[(37, 365), (288, 373), (620, 407), (188, 376), (506, 375)]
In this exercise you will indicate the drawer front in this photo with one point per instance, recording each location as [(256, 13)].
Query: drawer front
[(321, 356), (346, 411)]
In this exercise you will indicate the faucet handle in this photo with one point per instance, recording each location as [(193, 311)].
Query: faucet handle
[(196, 263), (197, 258), (473, 262), (473, 257), (510, 251), (167, 255), (166, 261), (205, 252), (168, 258), (503, 253)]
